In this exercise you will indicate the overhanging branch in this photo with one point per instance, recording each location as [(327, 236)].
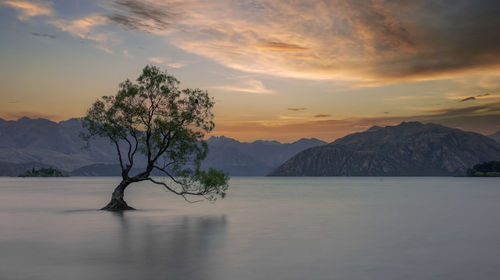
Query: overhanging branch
[(183, 193)]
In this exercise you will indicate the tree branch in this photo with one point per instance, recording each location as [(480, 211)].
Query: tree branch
[(183, 192), (164, 146), (168, 174), (119, 154), (130, 160)]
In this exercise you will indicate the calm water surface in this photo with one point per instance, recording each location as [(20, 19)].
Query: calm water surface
[(267, 228)]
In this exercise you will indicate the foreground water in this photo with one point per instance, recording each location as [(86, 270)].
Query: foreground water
[(267, 228)]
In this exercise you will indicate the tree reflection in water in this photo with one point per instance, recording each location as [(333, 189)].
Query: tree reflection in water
[(183, 247)]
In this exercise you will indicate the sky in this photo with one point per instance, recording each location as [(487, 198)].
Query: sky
[(277, 69)]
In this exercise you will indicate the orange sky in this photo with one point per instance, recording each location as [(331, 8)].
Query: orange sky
[(277, 69)]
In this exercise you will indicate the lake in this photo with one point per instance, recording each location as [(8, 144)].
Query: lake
[(266, 228)]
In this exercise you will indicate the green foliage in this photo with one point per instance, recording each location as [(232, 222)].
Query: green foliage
[(44, 172), (485, 169), (166, 124), (214, 180)]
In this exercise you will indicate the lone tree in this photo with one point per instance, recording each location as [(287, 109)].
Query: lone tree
[(153, 121)]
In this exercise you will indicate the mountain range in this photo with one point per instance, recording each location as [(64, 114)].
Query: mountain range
[(411, 148), (28, 143), (50, 143), (255, 158), (408, 149)]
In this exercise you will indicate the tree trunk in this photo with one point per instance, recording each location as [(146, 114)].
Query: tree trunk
[(117, 203)]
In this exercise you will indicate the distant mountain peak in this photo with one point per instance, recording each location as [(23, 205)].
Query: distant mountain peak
[(312, 140), (375, 128), (221, 139), (411, 123), (72, 120)]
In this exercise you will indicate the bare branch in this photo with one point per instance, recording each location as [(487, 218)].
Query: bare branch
[(130, 160), (119, 154), (168, 174), (174, 191)]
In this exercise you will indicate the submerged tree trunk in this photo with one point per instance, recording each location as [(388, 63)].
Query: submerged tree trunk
[(117, 203)]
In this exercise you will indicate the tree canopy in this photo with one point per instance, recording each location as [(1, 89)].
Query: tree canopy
[(485, 169), (154, 118)]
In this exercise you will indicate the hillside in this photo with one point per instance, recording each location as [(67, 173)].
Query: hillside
[(495, 136), (50, 143), (408, 149), (57, 144), (251, 159)]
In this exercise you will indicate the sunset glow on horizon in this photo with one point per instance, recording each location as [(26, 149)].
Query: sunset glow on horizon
[(278, 70)]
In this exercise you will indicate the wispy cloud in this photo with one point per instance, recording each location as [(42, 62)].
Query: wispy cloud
[(157, 60), (482, 119), (43, 35), (177, 65), (374, 41), (295, 109), (368, 42), (322, 116), (87, 28), (280, 46), (126, 53), (468, 99), (165, 61), (487, 97), (28, 9), (82, 27), (247, 86), (147, 16)]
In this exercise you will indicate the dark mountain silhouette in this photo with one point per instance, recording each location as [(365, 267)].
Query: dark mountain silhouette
[(50, 143), (409, 149), (58, 145), (255, 158), (495, 136)]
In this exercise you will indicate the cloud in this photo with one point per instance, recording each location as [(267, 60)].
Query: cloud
[(177, 65), (368, 42), (247, 86), (28, 9), (483, 96), (49, 36), (157, 60), (87, 28), (126, 53), (82, 27), (322, 116), (166, 61), (297, 109), (147, 16), (104, 49), (484, 109), (482, 119), (375, 41), (279, 46), (468, 99)]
